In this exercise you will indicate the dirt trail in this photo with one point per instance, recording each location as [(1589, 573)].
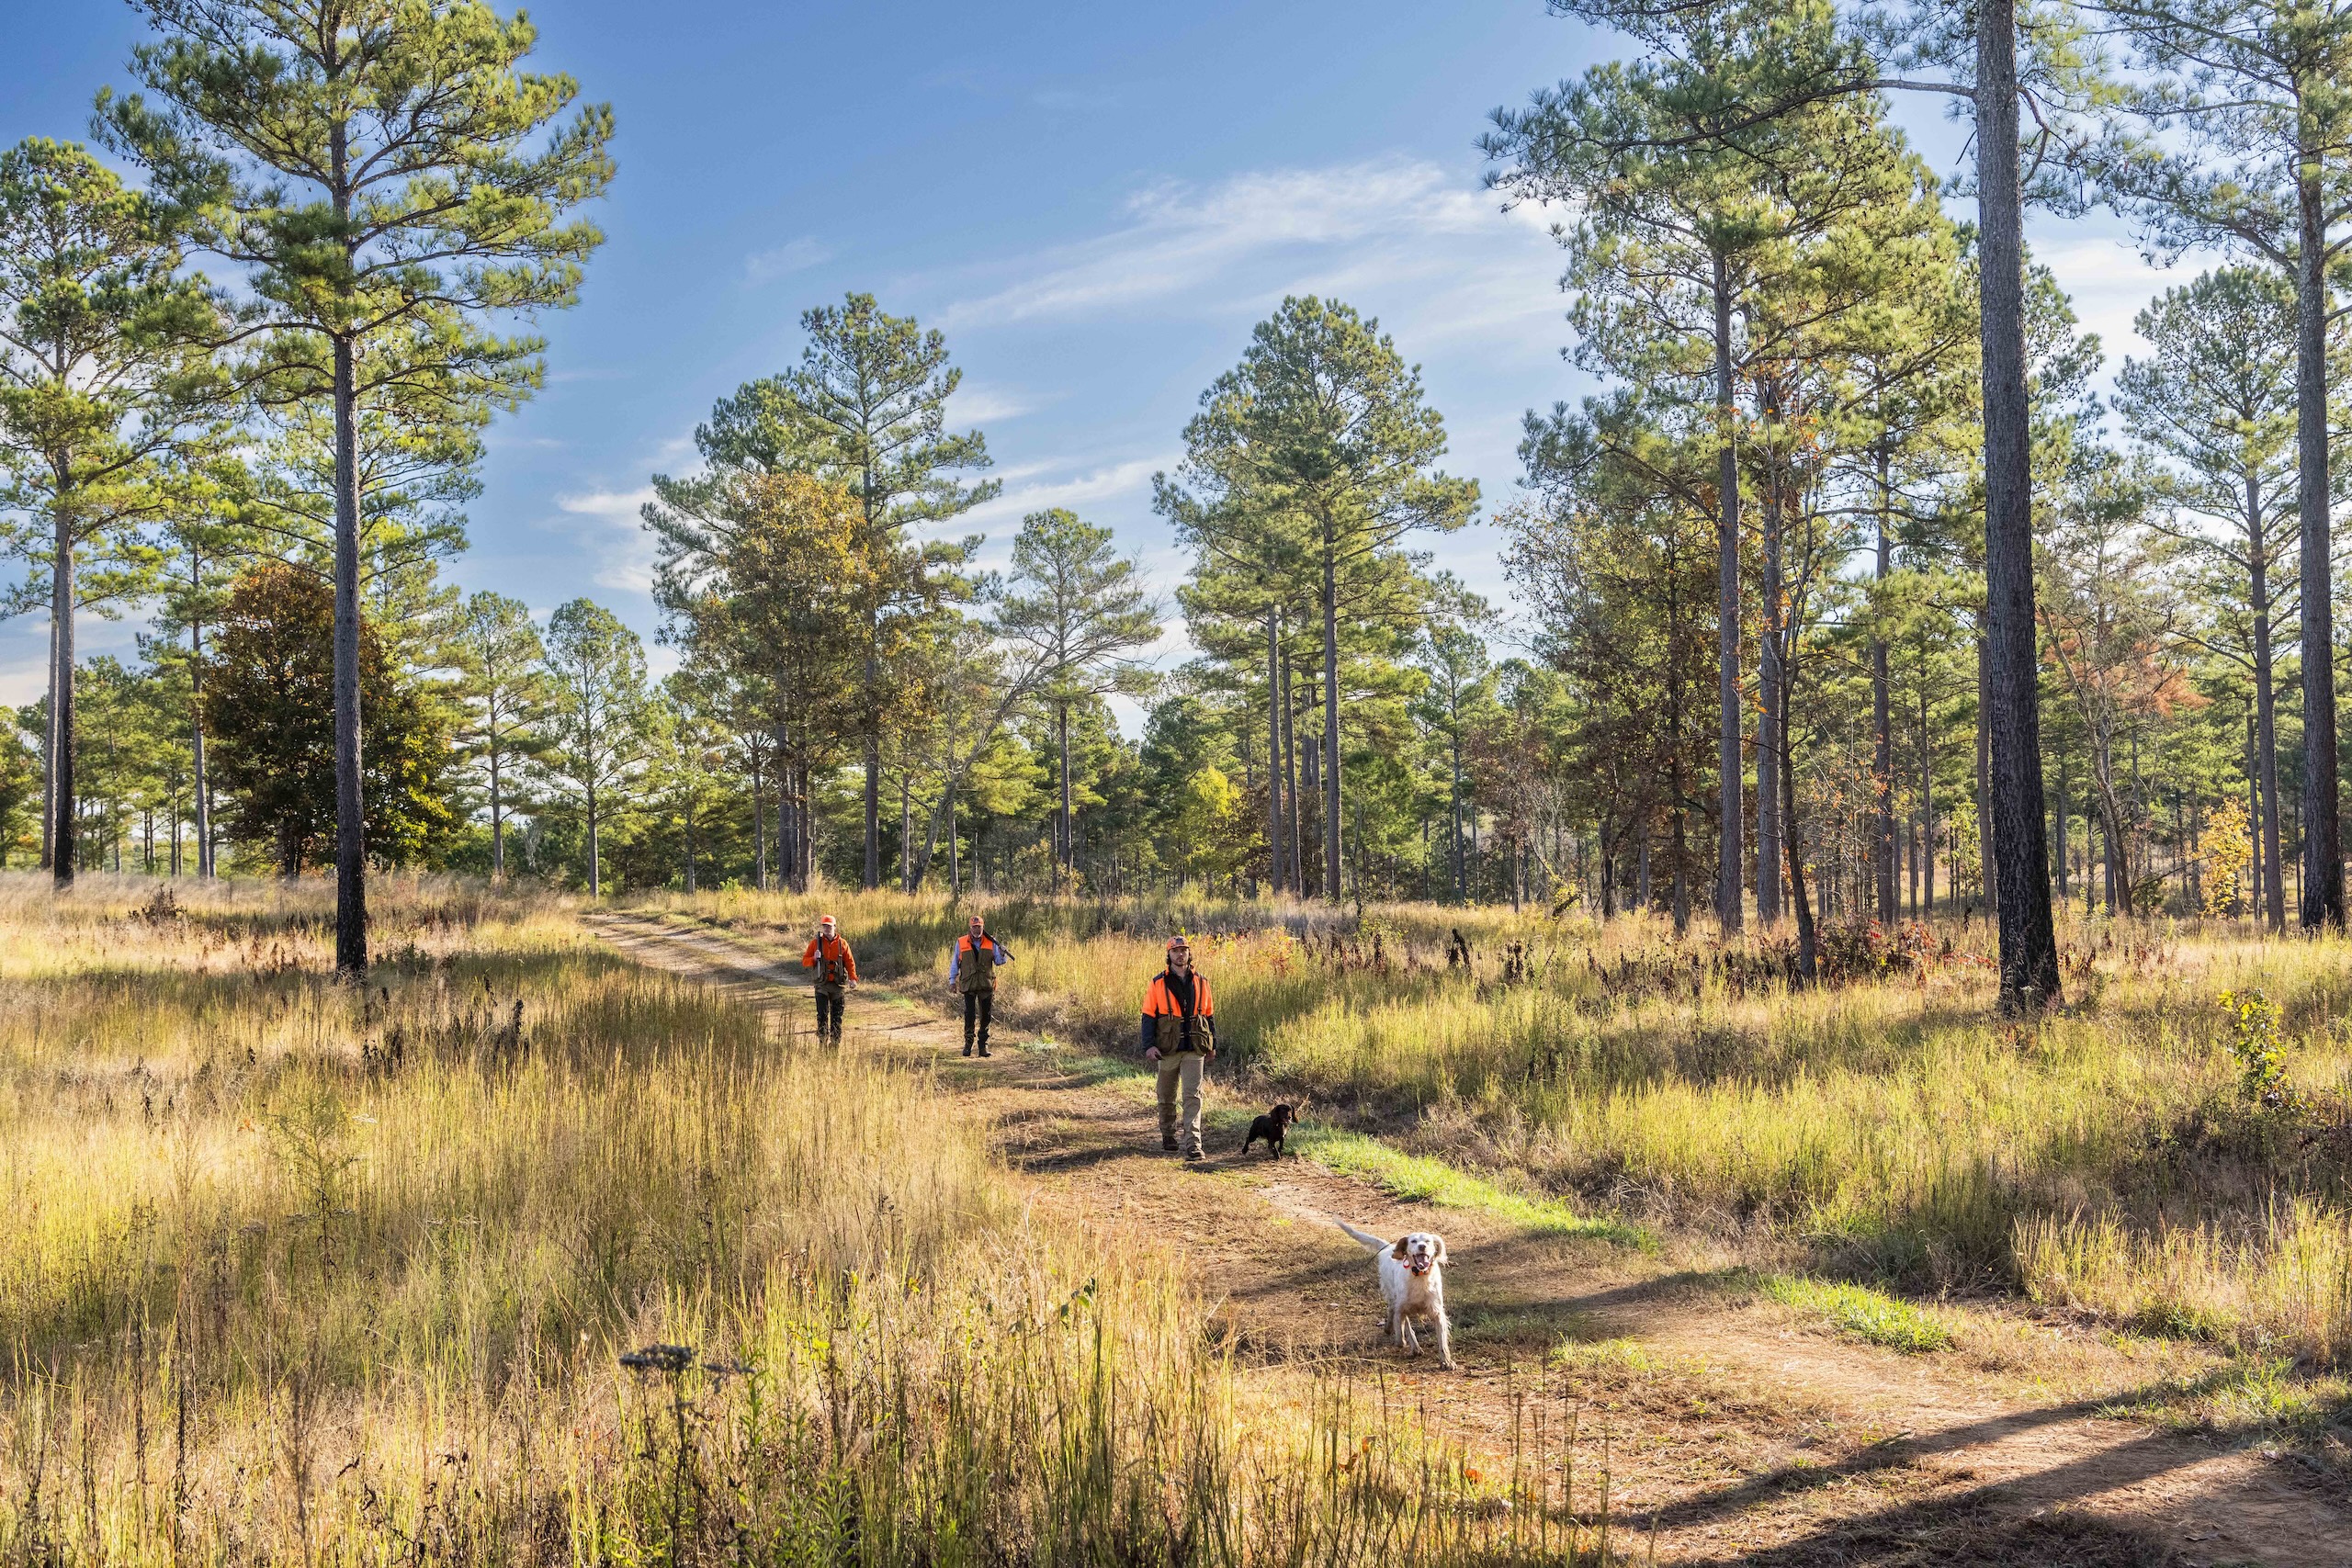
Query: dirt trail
[(1749, 1436)]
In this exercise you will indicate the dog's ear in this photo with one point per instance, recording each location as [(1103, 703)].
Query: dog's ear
[(1441, 1247), (1398, 1252)]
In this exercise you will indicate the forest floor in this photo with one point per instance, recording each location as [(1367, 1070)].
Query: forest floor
[(1736, 1430)]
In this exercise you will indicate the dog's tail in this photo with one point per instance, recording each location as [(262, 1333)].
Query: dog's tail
[(1372, 1243)]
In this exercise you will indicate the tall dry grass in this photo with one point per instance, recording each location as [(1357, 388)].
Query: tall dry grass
[(1893, 1126), (523, 1253)]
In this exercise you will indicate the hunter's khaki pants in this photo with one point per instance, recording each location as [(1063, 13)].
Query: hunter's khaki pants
[(1181, 1069)]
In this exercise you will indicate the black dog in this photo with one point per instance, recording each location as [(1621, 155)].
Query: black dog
[(1271, 1127)]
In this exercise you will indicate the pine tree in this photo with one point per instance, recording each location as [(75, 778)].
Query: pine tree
[(1081, 607), (503, 665), (1324, 422), (596, 730), (2249, 96), (389, 176), (2217, 400), (107, 395)]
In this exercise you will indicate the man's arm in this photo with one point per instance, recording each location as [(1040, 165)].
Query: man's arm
[(955, 959), (809, 956), (1149, 1035)]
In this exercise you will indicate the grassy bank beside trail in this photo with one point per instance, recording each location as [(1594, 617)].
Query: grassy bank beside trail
[(522, 1253), (1888, 1126)]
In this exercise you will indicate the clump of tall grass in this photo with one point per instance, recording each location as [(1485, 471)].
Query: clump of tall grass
[(1893, 1126), (2279, 1280), (519, 1253)]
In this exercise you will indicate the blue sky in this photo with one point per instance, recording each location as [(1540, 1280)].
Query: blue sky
[(1094, 202)]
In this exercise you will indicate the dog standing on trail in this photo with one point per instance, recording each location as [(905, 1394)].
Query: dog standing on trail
[(1271, 1127), (1412, 1276)]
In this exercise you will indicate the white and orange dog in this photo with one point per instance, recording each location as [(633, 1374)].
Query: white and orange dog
[(1412, 1276)]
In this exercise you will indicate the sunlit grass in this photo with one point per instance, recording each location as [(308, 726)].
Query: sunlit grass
[(299, 1271), (1417, 1179), (1862, 1312), (1893, 1126)]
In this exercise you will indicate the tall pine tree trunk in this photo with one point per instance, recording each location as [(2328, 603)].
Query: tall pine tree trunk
[(1330, 715), (497, 821), (1068, 846), (1771, 727), (63, 851), (1312, 873), (1927, 804), (1274, 750), (198, 779), (1808, 942), (1291, 786), (350, 820), (2323, 900), (760, 823), (2272, 878), (1883, 716), (1728, 859), (2029, 977)]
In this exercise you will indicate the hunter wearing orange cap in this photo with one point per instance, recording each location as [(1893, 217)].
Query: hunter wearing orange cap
[(836, 976), (972, 965), (1179, 1037)]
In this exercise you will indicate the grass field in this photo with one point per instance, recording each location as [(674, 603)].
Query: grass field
[(523, 1254), (2116, 1158)]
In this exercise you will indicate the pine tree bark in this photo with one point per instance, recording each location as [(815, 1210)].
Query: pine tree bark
[(595, 849), (1988, 868), (2029, 939), (1728, 760), (63, 853), (1274, 750), (1291, 786), (49, 753), (1771, 721), (1330, 715), (2266, 706), (497, 821), (2322, 892), (1808, 940), (350, 820), (760, 825), (1882, 718), (1068, 846)]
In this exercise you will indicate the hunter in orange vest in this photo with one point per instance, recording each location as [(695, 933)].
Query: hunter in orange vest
[(971, 969), (1179, 1037), (836, 976)]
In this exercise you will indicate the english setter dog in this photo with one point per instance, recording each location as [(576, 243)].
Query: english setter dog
[(1412, 1276)]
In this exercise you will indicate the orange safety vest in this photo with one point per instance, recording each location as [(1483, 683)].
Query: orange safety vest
[(976, 972), (1173, 1030), (839, 963)]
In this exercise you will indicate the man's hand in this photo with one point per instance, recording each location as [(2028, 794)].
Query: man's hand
[(1208, 1053), (1152, 1055)]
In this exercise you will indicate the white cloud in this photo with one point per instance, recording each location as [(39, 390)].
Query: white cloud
[(980, 402), (617, 536), (1179, 238), (1104, 483), (799, 256)]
